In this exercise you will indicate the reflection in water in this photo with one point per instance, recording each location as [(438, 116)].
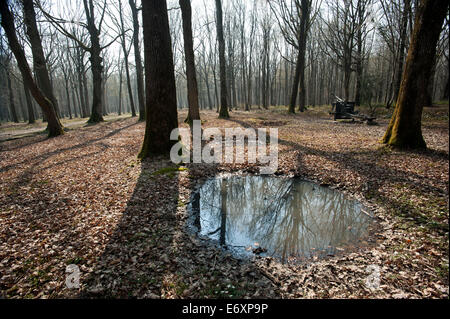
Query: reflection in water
[(285, 217)]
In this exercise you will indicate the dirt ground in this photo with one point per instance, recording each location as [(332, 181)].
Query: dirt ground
[(84, 198)]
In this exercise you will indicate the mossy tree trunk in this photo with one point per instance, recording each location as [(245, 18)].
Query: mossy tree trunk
[(404, 130), (161, 100)]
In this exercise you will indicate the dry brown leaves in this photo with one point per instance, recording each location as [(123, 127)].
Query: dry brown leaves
[(85, 199)]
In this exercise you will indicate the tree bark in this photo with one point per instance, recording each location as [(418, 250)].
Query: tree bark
[(401, 54), (138, 61), (404, 130), (299, 78), (120, 87), (223, 112), (31, 116), (67, 83), (12, 105), (445, 92), (193, 113), (96, 63), (359, 53), (125, 55), (85, 91), (161, 101), (39, 62)]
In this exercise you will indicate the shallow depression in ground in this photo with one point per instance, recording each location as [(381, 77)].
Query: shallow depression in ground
[(287, 218)]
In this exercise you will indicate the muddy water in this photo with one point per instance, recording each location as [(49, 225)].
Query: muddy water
[(289, 219)]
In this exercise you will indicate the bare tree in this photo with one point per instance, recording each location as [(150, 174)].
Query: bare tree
[(54, 125), (138, 60), (294, 21), (223, 113), (122, 30), (193, 113), (161, 101), (39, 59), (94, 48)]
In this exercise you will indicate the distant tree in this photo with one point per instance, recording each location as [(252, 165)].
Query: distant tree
[(394, 32), (161, 101), (31, 115), (138, 61), (404, 130), (126, 52), (193, 113), (12, 105), (223, 113), (294, 19), (93, 27)]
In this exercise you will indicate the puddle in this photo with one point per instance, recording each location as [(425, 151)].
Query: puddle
[(287, 218)]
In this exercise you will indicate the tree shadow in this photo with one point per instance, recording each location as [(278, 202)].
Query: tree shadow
[(151, 253), (154, 254), (46, 155), (146, 253), (139, 252)]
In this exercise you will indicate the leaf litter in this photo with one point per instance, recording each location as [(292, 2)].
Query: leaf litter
[(84, 198)]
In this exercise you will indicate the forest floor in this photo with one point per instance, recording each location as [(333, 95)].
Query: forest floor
[(11, 131), (84, 198)]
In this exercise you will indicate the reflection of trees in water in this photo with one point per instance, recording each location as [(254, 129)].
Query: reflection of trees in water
[(287, 217)]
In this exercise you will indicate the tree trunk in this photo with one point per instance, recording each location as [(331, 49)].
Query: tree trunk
[(264, 70), (428, 93), (66, 80), (294, 92), (401, 54), (161, 101), (138, 61), (125, 55), (39, 63), (359, 61), (54, 126), (96, 64), (223, 113), (210, 103), (404, 130), (130, 91), (347, 77), (120, 88), (193, 113), (299, 78), (85, 93), (74, 97), (22, 107), (31, 116), (248, 103), (12, 105), (82, 83), (445, 92)]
